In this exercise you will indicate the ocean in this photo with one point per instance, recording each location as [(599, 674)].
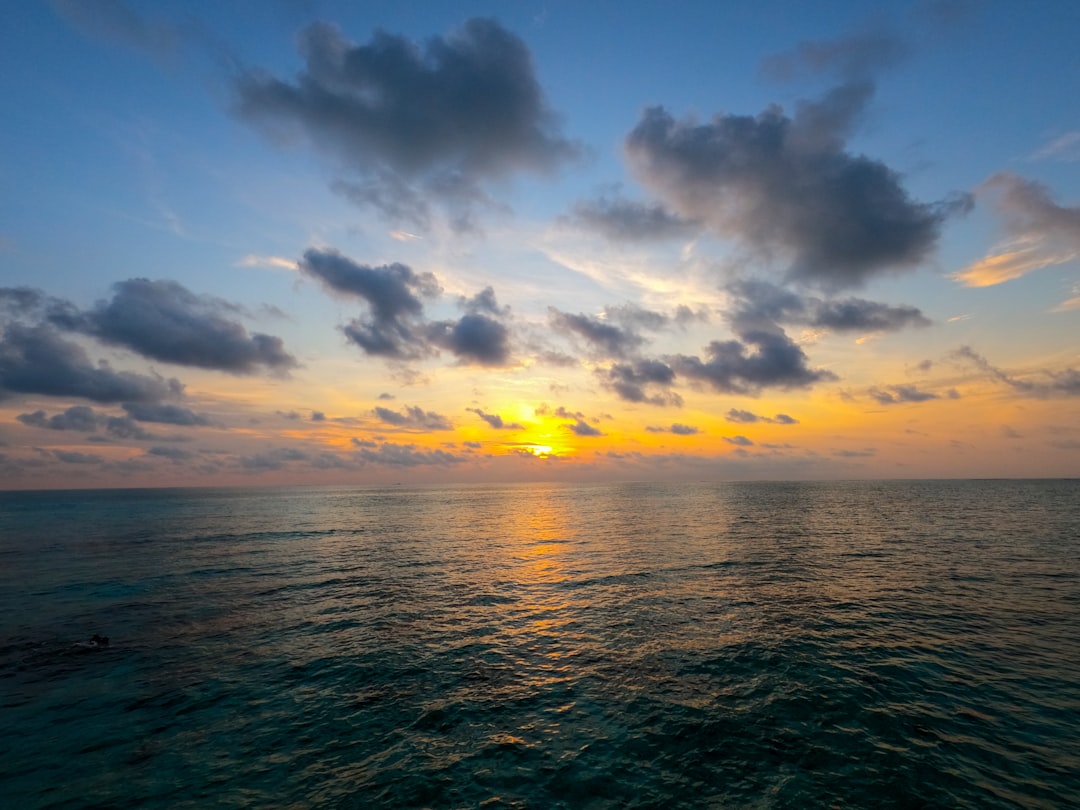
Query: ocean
[(707, 645)]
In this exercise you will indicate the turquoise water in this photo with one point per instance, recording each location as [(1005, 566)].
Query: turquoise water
[(872, 644)]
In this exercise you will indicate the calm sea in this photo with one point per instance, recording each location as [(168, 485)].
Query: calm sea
[(765, 645)]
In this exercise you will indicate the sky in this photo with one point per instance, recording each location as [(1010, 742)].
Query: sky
[(286, 243)]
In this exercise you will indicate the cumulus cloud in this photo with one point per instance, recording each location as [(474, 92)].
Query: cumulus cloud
[(78, 417), (495, 420), (164, 321), (897, 394), (414, 418), (748, 418), (409, 123), (755, 299), (676, 428), (164, 413), (635, 380), (1040, 232), (762, 358), (473, 339), (583, 428), (37, 360), (397, 327), (739, 441), (786, 186)]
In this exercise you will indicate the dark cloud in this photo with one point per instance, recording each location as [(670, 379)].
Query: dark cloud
[(747, 417), (757, 299), (495, 420), (1058, 383), (633, 381), (607, 339), (852, 57), (475, 339), (676, 428), (78, 417), (36, 360), (384, 396), (786, 186), (164, 413), (739, 441), (414, 418), (397, 328), (582, 428), (393, 294), (764, 357), (858, 315), (318, 416), (408, 123), (621, 220), (897, 394), (164, 321)]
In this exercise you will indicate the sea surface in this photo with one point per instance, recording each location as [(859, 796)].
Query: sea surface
[(711, 645)]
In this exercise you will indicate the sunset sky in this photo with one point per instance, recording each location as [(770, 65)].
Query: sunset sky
[(379, 242)]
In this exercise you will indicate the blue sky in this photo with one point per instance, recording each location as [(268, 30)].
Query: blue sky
[(866, 220)]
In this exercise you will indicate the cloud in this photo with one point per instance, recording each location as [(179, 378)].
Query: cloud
[(1059, 383), (747, 418), (1065, 147), (393, 294), (582, 428), (409, 123), (764, 358), (483, 303), (78, 417), (897, 394), (739, 441), (859, 315), (606, 339), (621, 220), (71, 457), (36, 360), (756, 300), (852, 57), (406, 455), (677, 429), (495, 420), (397, 328), (414, 417), (632, 381), (475, 339), (786, 186), (113, 21), (164, 321), (1041, 233), (174, 454), (164, 413)]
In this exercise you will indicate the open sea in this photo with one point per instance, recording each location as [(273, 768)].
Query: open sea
[(711, 645)]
